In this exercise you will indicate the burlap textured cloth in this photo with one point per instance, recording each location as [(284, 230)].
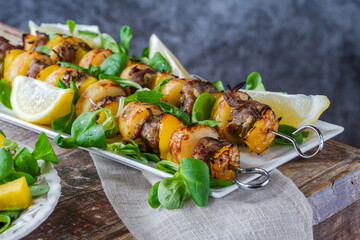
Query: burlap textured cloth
[(280, 211)]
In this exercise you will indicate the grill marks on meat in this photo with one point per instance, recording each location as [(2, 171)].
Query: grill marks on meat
[(5, 47), (67, 51), (75, 76), (207, 147), (143, 77), (192, 89), (244, 112), (36, 65), (41, 39), (150, 132), (221, 156)]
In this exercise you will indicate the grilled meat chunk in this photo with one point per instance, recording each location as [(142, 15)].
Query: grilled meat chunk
[(192, 89)]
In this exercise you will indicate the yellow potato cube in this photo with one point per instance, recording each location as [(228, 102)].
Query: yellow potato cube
[(15, 194)]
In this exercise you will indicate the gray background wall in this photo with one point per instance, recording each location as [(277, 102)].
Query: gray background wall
[(310, 47)]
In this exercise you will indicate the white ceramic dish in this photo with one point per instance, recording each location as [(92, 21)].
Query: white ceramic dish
[(43, 206), (270, 159)]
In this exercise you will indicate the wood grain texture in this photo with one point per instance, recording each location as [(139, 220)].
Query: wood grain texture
[(330, 181)]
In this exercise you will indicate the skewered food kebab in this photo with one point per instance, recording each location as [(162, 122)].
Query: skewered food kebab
[(242, 118)]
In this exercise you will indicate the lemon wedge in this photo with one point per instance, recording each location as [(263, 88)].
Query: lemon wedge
[(295, 109), (39, 102), (64, 29), (156, 45)]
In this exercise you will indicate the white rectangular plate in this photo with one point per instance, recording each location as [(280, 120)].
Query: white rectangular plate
[(270, 159)]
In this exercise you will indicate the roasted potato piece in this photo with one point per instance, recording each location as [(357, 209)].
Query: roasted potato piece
[(46, 72), (172, 91), (168, 124), (133, 116), (259, 138), (221, 112), (26, 64), (96, 92), (9, 58), (141, 73), (184, 140), (95, 57)]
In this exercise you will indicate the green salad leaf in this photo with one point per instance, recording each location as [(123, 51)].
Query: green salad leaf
[(6, 220), (88, 34), (108, 42), (202, 110), (172, 192), (219, 85), (167, 166), (151, 96), (169, 108), (37, 190), (125, 38), (114, 64), (254, 82), (67, 64), (6, 163), (162, 83), (121, 81), (43, 150), (153, 199), (288, 130), (5, 93), (25, 162), (45, 49), (159, 63), (71, 24)]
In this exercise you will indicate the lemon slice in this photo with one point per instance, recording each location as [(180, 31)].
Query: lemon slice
[(295, 109), (64, 29), (39, 102), (155, 45)]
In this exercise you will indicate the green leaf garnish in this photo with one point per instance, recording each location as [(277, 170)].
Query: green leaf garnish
[(159, 63), (6, 163), (145, 96), (162, 83), (254, 82), (108, 42), (202, 109), (114, 64), (43, 150), (45, 49), (218, 85), (88, 34), (67, 64), (125, 37), (5, 92), (169, 108), (37, 190), (71, 24), (121, 81), (288, 130)]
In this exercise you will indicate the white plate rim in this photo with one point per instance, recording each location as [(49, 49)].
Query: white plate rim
[(31, 218), (328, 130)]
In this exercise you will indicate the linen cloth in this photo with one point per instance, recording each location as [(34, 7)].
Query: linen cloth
[(279, 211)]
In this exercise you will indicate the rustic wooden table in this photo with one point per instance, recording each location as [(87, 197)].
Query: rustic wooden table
[(330, 181)]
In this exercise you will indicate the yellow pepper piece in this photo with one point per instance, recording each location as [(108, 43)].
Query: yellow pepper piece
[(15, 194), (168, 125)]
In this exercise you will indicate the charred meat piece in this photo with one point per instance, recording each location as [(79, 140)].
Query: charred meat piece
[(36, 65), (5, 47), (221, 156), (40, 40), (150, 132), (74, 75), (66, 52), (244, 112), (250, 121), (192, 89)]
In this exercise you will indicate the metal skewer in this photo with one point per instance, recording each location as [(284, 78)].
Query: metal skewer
[(264, 173)]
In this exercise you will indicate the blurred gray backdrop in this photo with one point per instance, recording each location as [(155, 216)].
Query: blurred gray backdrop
[(310, 47)]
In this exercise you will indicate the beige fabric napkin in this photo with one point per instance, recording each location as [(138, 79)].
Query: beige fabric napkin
[(280, 211)]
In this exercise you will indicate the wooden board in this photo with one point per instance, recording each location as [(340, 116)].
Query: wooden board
[(330, 181)]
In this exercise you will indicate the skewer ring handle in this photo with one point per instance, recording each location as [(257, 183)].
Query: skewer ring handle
[(296, 145), (252, 186)]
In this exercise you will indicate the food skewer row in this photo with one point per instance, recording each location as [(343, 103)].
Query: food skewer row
[(243, 120)]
